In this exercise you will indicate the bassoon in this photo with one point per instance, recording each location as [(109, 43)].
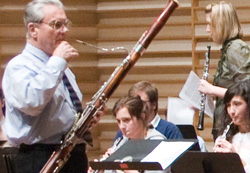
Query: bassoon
[(60, 156)]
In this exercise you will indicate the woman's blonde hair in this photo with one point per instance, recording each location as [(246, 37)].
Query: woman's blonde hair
[(224, 21)]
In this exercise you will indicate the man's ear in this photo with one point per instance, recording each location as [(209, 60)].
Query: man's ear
[(32, 29)]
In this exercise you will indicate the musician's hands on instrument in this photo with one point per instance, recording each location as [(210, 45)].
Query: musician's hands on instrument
[(105, 156), (209, 89), (205, 87), (223, 146), (66, 51), (98, 116), (107, 153)]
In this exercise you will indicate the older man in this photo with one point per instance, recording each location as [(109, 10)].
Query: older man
[(40, 109)]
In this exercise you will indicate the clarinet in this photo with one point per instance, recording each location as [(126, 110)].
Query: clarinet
[(60, 156), (203, 96)]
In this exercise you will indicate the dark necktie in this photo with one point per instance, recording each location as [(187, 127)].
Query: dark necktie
[(78, 106), (74, 98)]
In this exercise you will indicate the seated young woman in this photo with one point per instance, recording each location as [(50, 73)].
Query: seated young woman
[(237, 117), (131, 114)]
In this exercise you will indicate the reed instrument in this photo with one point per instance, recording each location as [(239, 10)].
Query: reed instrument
[(117, 144), (203, 96), (60, 156)]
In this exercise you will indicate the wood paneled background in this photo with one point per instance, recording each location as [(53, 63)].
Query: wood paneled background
[(179, 48)]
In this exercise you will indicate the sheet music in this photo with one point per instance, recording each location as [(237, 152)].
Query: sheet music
[(167, 152), (191, 94), (179, 111)]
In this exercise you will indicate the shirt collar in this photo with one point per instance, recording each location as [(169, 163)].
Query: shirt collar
[(156, 120), (38, 53)]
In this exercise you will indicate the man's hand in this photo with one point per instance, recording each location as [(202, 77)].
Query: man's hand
[(66, 51), (98, 116)]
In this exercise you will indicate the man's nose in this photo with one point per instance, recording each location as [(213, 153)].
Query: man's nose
[(64, 29)]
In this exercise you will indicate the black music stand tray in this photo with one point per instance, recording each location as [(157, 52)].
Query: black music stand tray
[(207, 162), (187, 130), (130, 155)]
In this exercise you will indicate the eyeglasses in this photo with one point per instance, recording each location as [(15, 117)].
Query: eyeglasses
[(59, 24)]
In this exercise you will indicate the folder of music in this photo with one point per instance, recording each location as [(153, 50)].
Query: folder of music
[(144, 155)]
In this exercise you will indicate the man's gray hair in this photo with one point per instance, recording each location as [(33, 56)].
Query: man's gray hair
[(34, 13)]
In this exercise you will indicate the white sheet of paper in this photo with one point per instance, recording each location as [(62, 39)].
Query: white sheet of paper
[(179, 111), (167, 152), (191, 94)]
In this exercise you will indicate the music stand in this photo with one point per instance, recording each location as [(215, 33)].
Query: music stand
[(131, 155), (6, 155), (207, 162), (187, 130)]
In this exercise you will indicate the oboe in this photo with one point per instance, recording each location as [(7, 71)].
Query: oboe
[(60, 156), (203, 96)]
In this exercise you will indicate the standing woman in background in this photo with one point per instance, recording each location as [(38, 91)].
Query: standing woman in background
[(224, 28), (237, 104)]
